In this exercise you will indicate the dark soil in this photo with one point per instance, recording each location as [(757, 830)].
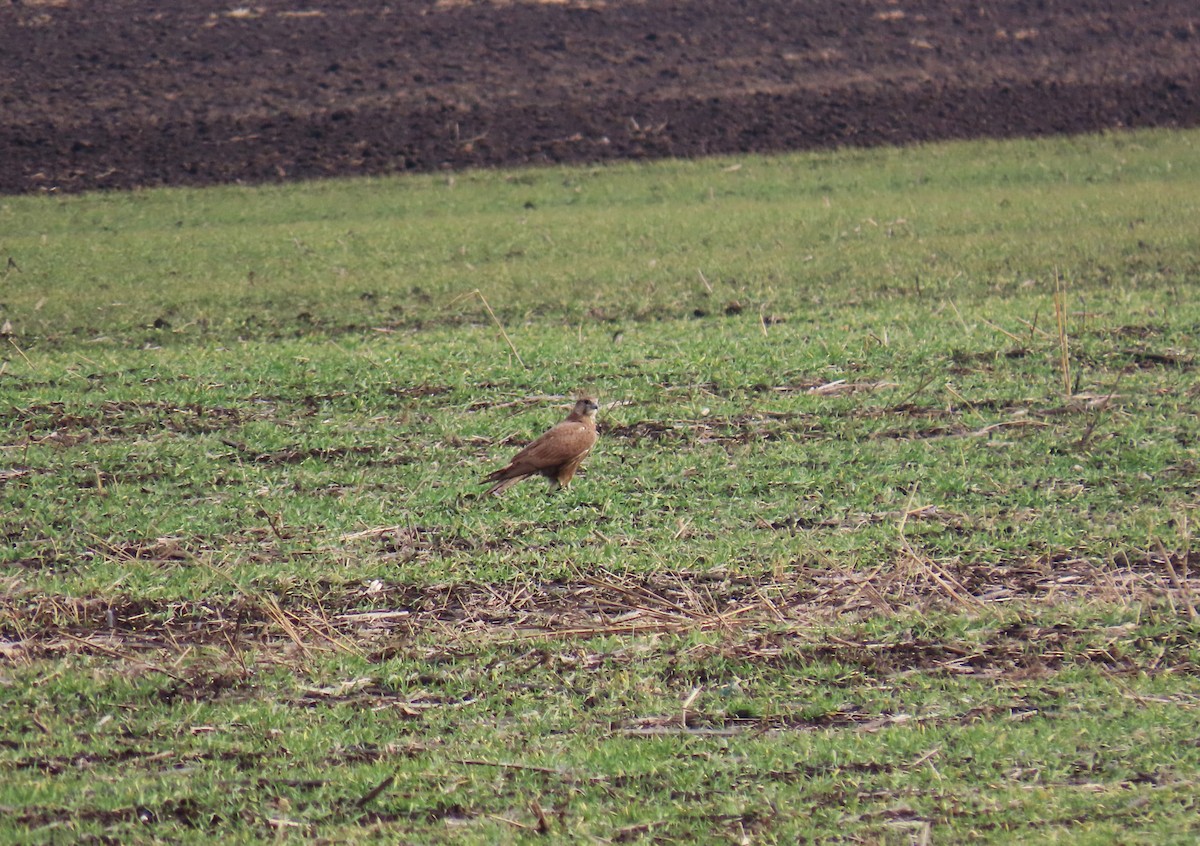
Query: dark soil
[(166, 92)]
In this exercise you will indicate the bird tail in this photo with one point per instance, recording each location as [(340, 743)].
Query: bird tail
[(502, 485)]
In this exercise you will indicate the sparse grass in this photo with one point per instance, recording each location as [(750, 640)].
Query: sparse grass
[(851, 562)]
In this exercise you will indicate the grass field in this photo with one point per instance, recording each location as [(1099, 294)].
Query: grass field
[(889, 537)]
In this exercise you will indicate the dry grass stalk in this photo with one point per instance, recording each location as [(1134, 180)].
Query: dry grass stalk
[(1180, 578), (1113, 587), (537, 399), (123, 656), (374, 792), (507, 765), (928, 567), (1002, 330), (924, 384), (1033, 327), (284, 622), (703, 612), (842, 386), (543, 823), (688, 703), (290, 624), (496, 320), (866, 585), (1060, 314), (936, 574), (966, 329), (643, 610), (21, 353), (1008, 424), (1102, 404), (370, 533), (512, 822)]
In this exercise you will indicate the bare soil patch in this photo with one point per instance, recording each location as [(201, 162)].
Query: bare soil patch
[(163, 92)]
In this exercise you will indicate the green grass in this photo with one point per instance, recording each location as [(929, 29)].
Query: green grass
[(854, 560), (806, 235)]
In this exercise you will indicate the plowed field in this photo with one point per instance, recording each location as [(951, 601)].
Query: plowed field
[(165, 92)]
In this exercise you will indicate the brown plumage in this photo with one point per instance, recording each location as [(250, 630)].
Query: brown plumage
[(556, 455)]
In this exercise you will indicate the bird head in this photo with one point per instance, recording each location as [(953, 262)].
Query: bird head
[(585, 407)]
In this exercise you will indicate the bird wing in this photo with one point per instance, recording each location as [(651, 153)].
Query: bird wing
[(565, 441)]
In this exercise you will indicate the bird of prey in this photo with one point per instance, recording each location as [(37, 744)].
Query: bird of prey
[(556, 455)]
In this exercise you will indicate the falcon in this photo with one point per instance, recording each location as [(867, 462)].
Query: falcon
[(556, 455)]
